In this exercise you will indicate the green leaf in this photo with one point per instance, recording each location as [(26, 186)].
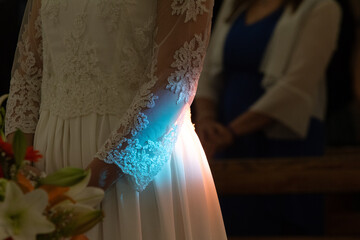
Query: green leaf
[(65, 177), (19, 148), (2, 135)]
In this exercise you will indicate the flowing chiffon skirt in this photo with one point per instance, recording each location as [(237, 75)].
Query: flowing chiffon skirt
[(180, 204)]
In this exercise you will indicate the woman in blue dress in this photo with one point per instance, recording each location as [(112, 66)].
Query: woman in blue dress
[(262, 94)]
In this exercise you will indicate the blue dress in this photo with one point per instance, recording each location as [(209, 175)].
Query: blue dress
[(271, 215), (244, 49)]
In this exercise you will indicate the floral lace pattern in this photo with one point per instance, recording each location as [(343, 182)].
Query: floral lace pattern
[(79, 69), (188, 62), (192, 8), (154, 154), (52, 9), (133, 122), (111, 11), (115, 71), (125, 147), (24, 100), (81, 72)]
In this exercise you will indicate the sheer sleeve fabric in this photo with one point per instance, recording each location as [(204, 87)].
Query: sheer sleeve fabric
[(293, 99), (147, 133), (24, 98)]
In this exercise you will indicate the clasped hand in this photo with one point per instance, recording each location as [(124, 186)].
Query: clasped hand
[(214, 136)]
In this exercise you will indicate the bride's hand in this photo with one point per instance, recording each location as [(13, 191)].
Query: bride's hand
[(213, 136), (103, 175)]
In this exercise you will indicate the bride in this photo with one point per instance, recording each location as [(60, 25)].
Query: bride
[(107, 85)]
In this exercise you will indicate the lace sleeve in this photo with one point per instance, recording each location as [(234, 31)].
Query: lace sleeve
[(24, 98), (145, 138)]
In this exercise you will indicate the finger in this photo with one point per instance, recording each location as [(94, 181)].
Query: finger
[(214, 133), (224, 136)]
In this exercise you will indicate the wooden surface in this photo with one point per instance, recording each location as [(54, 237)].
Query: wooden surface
[(295, 238), (336, 172)]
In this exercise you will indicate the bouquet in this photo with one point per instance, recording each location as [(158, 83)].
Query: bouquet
[(58, 206)]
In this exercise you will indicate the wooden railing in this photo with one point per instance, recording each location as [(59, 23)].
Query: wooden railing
[(298, 238), (336, 175), (336, 172)]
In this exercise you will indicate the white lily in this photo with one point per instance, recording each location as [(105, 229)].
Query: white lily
[(89, 196), (21, 215)]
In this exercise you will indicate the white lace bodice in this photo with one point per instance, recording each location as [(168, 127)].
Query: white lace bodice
[(138, 60), (95, 60)]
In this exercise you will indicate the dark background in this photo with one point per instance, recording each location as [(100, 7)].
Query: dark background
[(11, 12)]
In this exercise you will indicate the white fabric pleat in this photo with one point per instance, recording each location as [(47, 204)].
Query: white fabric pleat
[(180, 204)]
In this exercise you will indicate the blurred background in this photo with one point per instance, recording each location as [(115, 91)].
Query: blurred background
[(304, 185), (277, 111)]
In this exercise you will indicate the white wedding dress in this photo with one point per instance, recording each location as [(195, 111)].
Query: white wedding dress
[(114, 80)]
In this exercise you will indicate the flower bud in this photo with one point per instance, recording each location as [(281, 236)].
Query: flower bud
[(86, 221), (65, 177)]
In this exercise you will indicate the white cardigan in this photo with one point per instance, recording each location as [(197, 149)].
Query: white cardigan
[(294, 65)]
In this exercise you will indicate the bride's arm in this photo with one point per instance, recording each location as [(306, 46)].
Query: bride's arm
[(147, 133), (24, 98)]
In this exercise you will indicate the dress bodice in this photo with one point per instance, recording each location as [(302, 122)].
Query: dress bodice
[(95, 60), (138, 60)]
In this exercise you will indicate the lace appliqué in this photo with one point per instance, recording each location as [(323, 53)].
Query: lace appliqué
[(192, 8), (134, 53), (153, 154), (143, 35), (81, 73), (79, 65), (24, 101), (133, 122), (80, 62), (52, 9), (142, 161), (188, 65), (111, 11)]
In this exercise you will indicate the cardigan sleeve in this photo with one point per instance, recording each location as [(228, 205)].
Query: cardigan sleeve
[(291, 101)]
